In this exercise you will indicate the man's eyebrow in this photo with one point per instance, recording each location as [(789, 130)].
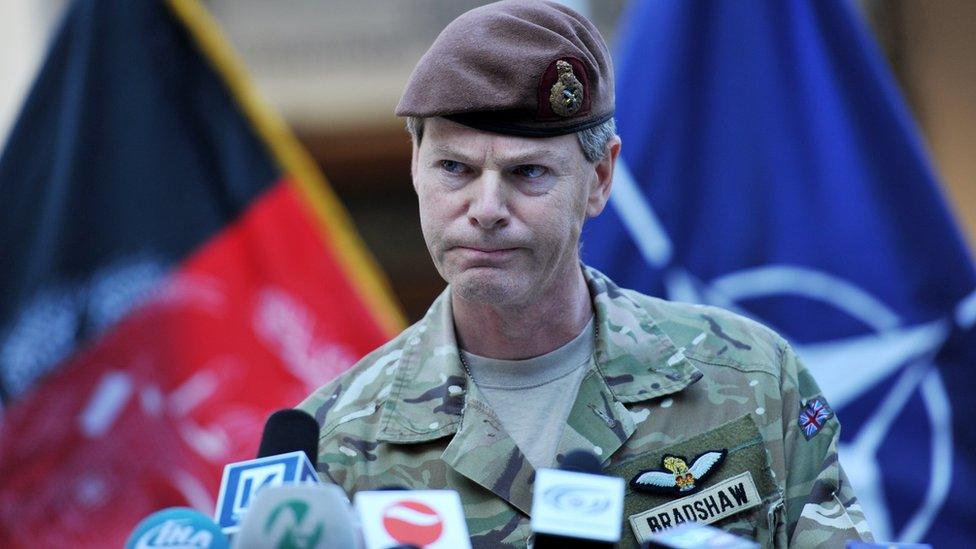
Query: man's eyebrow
[(540, 155), (445, 150)]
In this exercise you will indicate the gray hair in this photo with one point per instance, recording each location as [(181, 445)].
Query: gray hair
[(593, 140)]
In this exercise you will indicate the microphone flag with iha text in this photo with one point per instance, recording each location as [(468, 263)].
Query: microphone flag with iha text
[(771, 167), (174, 268)]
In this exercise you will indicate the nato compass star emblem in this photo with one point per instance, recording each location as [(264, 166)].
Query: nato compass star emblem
[(676, 477), (892, 347)]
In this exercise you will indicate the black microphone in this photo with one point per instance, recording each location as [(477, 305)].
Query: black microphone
[(288, 454), (290, 430), (581, 461), (576, 505)]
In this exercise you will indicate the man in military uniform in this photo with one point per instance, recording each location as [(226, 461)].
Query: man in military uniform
[(528, 355)]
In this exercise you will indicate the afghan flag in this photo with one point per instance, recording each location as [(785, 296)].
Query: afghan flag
[(174, 267)]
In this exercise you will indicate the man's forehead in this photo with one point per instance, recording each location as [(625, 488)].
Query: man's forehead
[(443, 137)]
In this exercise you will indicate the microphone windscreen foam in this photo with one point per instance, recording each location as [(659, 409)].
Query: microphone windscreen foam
[(290, 430), (581, 461)]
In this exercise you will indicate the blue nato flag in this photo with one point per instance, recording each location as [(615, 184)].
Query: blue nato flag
[(771, 167)]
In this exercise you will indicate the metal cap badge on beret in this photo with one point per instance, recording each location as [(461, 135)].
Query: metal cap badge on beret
[(529, 68)]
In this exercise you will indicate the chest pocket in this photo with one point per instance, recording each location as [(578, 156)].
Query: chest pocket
[(721, 477)]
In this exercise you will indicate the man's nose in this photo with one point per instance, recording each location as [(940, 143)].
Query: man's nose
[(489, 204)]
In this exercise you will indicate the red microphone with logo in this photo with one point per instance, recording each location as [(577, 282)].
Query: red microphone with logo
[(429, 519)]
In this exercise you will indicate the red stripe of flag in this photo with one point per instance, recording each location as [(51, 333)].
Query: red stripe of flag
[(148, 415)]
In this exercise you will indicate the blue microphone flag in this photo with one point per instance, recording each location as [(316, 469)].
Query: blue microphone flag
[(177, 527), (243, 480), (769, 166)]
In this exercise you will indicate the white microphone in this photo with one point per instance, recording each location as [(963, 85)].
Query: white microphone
[(311, 517), (429, 519), (576, 506)]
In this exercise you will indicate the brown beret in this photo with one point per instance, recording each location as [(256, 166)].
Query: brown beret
[(529, 68)]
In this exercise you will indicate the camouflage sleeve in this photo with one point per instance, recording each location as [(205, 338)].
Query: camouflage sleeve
[(319, 405), (821, 508)]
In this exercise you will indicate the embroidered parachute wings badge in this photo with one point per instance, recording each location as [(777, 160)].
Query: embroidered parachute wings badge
[(675, 476)]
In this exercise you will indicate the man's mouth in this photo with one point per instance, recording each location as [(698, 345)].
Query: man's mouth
[(485, 253), (486, 250)]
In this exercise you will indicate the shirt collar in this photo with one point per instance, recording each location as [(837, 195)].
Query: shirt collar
[(637, 360), (634, 355)]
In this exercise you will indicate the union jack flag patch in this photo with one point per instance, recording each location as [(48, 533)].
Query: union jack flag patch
[(813, 416)]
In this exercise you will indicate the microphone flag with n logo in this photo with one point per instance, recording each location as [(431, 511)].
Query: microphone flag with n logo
[(770, 166), (174, 268)]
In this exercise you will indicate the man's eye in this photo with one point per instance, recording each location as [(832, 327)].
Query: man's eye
[(452, 166), (531, 171)]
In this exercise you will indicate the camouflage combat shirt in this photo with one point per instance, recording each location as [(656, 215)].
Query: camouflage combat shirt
[(674, 390)]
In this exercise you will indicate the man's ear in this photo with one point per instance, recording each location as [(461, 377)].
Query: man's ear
[(603, 169)]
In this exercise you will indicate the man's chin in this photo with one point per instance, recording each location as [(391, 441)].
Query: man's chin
[(486, 289)]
